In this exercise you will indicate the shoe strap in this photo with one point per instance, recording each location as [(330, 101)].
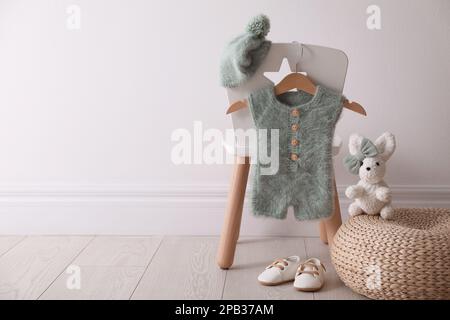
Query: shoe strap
[(313, 268), (278, 263)]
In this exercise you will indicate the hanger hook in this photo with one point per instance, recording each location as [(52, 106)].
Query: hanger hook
[(301, 56)]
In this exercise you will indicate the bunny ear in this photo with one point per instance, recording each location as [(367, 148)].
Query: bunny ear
[(354, 143), (386, 145)]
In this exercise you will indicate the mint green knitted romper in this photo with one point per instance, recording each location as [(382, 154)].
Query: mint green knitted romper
[(306, 125)]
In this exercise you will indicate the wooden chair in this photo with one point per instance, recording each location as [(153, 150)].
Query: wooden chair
[(324, 66)]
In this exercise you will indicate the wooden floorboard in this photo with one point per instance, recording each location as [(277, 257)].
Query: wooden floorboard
[(110, 269), (183, 268), (97, 283), (119, 251), (153, 267), (8, 242), (33, 264)]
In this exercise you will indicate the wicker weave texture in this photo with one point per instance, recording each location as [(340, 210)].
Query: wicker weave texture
[(406, 258)]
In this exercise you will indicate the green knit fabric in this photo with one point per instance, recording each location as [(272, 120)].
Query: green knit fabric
[(305, 184), (245, 53)]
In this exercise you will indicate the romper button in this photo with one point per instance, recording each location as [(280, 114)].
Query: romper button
[(295, 113), (294, 127), (294, 142), (294, 157)]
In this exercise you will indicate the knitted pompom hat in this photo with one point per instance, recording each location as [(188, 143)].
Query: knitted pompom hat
[(244, 54)]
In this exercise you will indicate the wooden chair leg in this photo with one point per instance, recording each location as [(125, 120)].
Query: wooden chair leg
[(323, 232), (233, 215), (332, 224)]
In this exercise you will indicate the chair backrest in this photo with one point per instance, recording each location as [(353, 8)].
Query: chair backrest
[(325, 66)]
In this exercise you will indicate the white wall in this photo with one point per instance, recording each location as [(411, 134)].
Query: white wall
[(86, 116)]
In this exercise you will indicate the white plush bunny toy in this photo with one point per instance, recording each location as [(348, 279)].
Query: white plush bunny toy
[(371, 195)]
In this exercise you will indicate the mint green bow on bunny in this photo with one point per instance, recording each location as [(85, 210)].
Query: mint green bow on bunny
[(354, 162)]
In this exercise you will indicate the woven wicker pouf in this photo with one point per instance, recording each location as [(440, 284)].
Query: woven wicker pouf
[(405, 258)]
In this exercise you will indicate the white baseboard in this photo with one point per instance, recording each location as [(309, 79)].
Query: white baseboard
[(142, 210)]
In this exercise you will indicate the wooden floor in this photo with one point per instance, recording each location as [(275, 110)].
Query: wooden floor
[(151, 268)]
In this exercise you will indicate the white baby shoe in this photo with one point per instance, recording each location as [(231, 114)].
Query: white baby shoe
[(310, 275), (280, 271)]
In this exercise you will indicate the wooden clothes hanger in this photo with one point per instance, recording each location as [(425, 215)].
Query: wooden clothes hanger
[(300, 82)]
